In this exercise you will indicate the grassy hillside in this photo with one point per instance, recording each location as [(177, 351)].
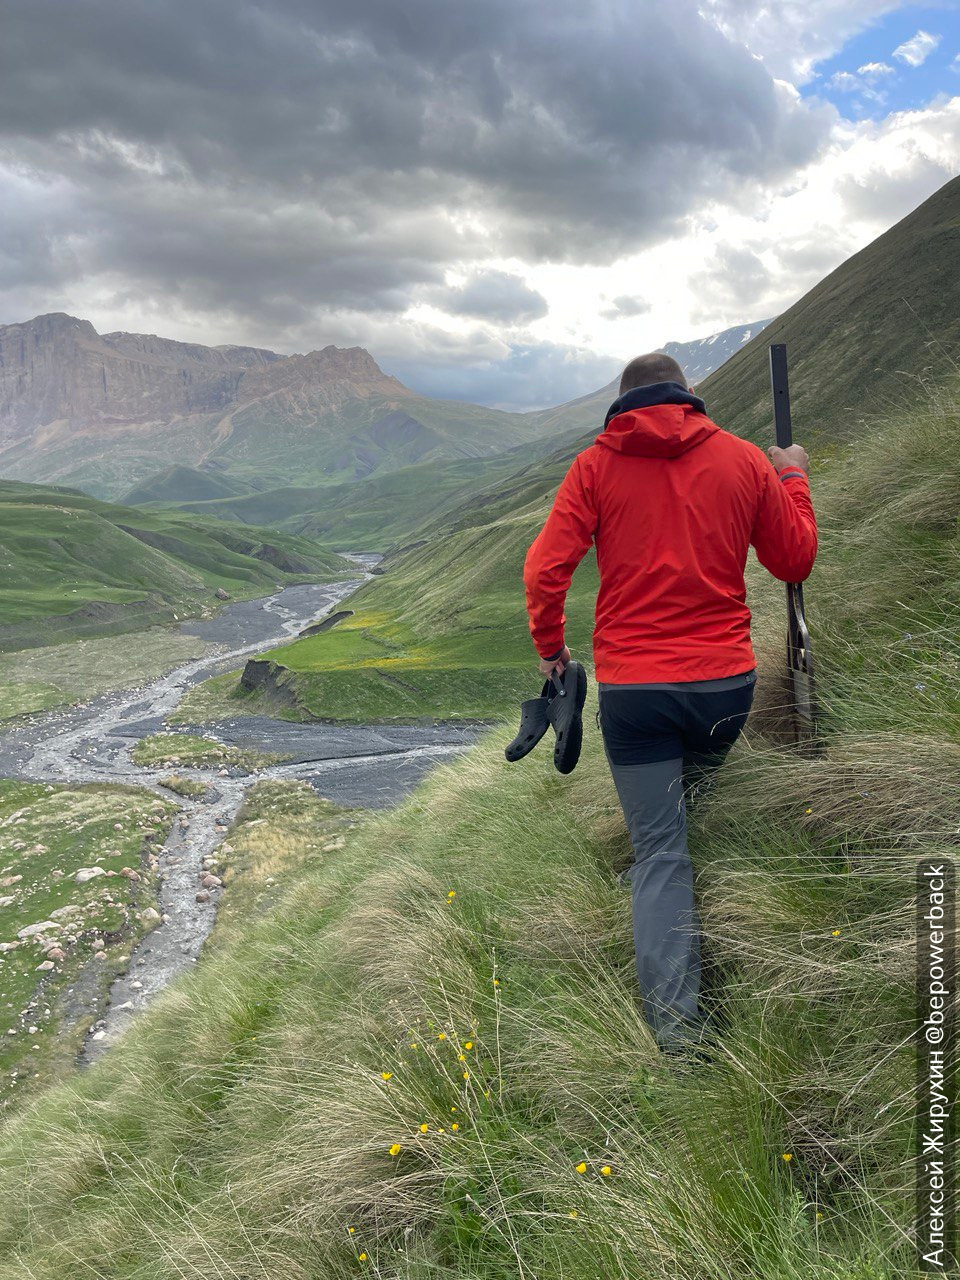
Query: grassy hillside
[(373, 514), (72, 566), (427, 1060), (180, 485)]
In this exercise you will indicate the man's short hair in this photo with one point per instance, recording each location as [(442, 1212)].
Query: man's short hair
[(645, 371)]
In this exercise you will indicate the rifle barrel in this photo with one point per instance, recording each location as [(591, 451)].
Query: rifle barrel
[(780, 384)]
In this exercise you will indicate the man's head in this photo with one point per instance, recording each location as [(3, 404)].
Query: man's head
[(645, 371)]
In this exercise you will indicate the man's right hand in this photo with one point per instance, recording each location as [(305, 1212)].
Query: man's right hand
[(795, 456)]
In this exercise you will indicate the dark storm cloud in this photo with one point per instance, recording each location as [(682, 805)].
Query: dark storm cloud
[(491, 295), (286, 159)]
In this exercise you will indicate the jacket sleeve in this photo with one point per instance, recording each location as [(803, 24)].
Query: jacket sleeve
[(785, 529), (562, 543)]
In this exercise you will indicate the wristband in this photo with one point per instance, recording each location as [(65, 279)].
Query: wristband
[(793, 473)]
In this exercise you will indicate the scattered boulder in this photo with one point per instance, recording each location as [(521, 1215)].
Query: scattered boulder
[(221, 594), (10, 880), (89, 873), (150, 916), (5, 902), (8, 946), (33, 930), (56, 953), (62, 912), (203, 896), (45, 966), (211, 881)]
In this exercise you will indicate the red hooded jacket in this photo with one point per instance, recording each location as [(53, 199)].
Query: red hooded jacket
[(673, 503)]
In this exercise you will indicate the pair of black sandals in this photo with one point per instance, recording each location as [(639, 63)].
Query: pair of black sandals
[(560, 704)]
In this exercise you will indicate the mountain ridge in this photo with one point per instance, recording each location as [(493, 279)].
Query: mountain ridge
[(109, 412)]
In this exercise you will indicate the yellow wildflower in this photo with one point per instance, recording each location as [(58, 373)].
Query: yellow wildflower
[(466, 1075), (808, 811), (424, 1128), (606, 1171), (414, 1045), (396, 1149), (574, 1214), (468, 1045), (451, 895), (363, 1257), (496, 982), (453, 1108), (582, 1167), (836, 933), (787, 1156), (351, 1230), (387, 1075), (461, 1057), (442, 1035), (455, 1127)]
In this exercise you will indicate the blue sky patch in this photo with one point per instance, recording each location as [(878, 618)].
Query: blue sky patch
[(902, 62)]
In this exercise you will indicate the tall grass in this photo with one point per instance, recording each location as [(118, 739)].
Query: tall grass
[(465, 964)]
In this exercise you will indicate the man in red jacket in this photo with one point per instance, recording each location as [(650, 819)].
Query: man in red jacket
[(673, 503)]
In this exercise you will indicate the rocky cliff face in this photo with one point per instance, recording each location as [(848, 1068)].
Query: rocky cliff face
[(57, 368)]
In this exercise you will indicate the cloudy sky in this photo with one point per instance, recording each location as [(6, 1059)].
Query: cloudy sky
[(502, 200)]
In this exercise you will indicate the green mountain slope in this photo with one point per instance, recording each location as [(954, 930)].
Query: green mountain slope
[(180, 485), (73, 566)]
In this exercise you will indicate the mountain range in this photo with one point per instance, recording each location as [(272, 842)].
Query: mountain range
[(107, 413)]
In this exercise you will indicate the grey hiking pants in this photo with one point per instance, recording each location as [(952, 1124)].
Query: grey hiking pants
[(664, 742)]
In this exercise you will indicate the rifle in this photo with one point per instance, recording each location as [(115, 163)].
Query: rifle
[(806, 712)]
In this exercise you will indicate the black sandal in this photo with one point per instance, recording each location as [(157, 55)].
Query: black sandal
[(533, 725), (564, 713)]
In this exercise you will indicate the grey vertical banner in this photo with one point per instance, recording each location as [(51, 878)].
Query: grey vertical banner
[(936, 1066)]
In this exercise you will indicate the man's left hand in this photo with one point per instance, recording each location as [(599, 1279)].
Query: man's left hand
[(558, 664)]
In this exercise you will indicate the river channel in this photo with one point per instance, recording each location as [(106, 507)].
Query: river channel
[(363, 766)]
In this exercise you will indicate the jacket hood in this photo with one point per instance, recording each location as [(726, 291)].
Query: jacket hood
[(660, 421)]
